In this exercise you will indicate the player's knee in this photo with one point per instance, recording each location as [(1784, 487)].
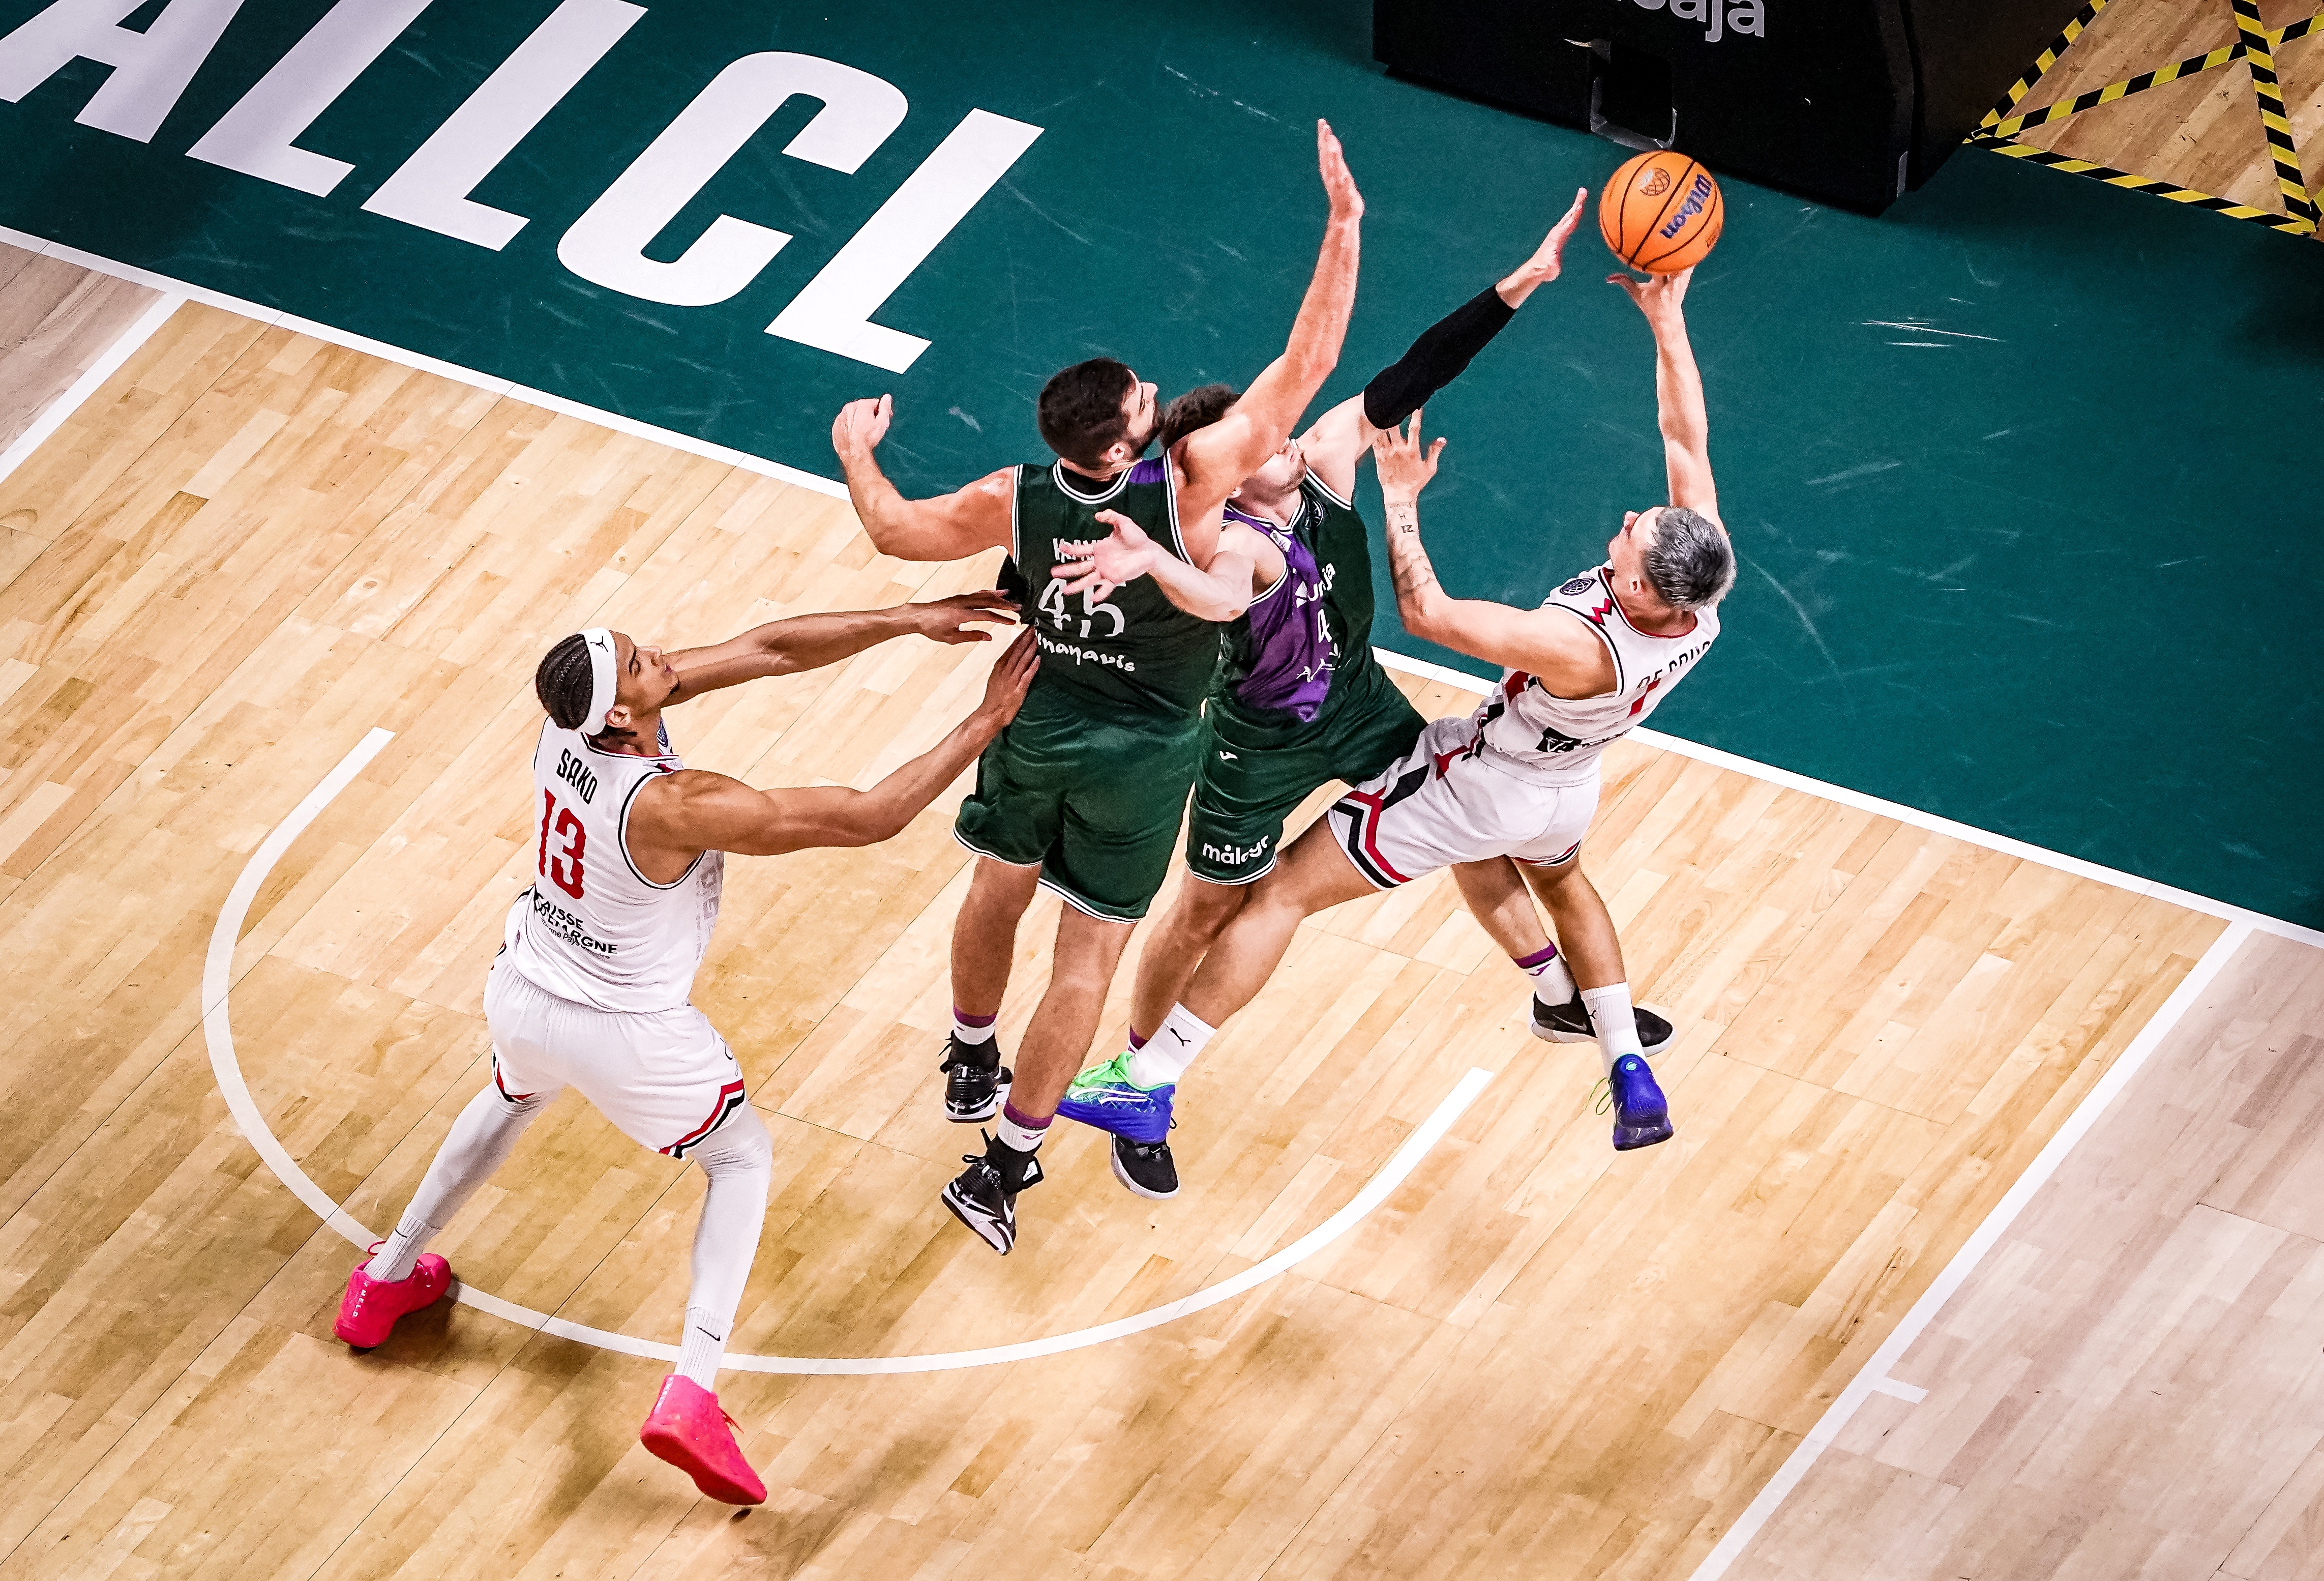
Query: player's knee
[(1547, 877), (1000, 887), (1208, 907), (521, 1107), (741, 1144)]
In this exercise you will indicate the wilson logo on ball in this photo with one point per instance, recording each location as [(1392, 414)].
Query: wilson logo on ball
[(1687, 210), (1661, 212)]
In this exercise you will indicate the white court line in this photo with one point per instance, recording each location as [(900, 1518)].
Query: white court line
[(54, 416), (275, 317), (836, 490), (1874, 1375), (217, 971)]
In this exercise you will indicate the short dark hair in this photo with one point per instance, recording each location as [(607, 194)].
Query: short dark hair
[(1690, 563), (563, 682), (1079, 410), (1198, 408)]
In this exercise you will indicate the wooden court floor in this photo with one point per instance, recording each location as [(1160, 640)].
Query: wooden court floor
[(249, 549)]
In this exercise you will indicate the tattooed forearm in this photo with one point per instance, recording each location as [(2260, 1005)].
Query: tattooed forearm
[(1408, 561)]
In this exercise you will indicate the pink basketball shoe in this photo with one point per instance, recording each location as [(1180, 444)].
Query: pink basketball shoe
[(686, 1429), (368, 1311)]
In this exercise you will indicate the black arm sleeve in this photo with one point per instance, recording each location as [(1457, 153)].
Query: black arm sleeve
[(1435, 359)]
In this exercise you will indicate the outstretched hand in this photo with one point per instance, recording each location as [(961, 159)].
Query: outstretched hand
[(1404, 468), (1338, 182), (953, 619), (1013, 674), (861, 425), (1549, 258), (1657, 294), (1098, 568)]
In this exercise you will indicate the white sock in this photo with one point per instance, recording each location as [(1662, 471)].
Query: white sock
[(1173, 1046), (1616, 1023), (738, 1158), (1015, 1132), (702, 1349), (972, 1030), (396, 1259), (1553, 985), (477, 1144)]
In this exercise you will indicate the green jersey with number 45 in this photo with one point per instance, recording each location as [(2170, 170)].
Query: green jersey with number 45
[(1132, 654)]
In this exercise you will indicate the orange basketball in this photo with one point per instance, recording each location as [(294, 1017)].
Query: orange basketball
[(1661, 212)]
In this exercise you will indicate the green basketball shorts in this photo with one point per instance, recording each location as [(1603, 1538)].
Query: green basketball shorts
[(1095, 804), (1255, 773)]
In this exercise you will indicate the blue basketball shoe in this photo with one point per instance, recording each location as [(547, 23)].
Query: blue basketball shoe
[(1105, 1096), (1641, 1113)]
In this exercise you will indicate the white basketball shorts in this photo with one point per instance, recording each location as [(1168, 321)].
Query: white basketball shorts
[(665, 1078), (1446, 801)]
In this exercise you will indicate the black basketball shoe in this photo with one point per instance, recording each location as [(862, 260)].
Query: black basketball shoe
[(1146, 1168), (983, 1195), (976, 1083), (1570, 1023)]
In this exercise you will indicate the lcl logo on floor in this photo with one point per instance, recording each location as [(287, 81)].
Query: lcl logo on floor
[(606, 245)]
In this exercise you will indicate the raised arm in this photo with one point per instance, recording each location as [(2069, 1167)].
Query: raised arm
[(1339, 437), (1547, 642), (810, 642), (1213, 461), (681, 815), (949, 527), (1678, 391), (1244, 565)]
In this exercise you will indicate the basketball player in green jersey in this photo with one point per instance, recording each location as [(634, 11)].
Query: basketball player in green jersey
[(1082, 793), (1301, 701)]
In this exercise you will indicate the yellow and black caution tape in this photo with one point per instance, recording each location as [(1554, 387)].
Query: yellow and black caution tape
[(2041, 64), (2292, 224), (2261, 58), (2112, 91), (2224, 54)]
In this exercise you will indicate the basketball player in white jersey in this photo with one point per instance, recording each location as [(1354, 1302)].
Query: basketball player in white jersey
[(1503, 796), (590, 988)]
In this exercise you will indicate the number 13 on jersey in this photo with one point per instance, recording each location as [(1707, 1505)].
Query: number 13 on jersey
[(562, 867)]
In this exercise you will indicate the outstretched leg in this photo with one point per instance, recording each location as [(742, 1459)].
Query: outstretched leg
[(686, 1427), (738, 1158), (1195, 920), (1590, 1002), (1314, 875), (400, 1276)]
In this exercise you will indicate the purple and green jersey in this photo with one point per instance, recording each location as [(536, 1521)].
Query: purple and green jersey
[(1314, 627)]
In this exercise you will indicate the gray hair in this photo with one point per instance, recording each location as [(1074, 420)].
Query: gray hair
[(1690, 563)]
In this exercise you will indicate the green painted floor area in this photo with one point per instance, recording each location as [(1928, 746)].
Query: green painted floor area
[(2018, 472)]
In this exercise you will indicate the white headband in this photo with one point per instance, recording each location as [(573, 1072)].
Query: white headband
[(600, 644)]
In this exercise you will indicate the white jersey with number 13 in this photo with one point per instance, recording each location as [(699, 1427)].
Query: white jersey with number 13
[(593, 928)]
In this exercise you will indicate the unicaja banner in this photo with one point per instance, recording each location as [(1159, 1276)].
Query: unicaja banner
[(1744, 17)]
